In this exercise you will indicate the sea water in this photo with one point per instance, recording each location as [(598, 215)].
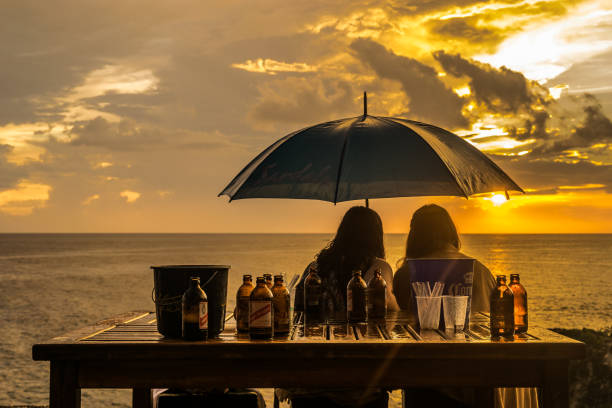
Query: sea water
[(54, 283)]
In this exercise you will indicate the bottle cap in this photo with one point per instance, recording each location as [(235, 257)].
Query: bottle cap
[(278, 278), (261, 279), (248, 276), (195, 278), (356, 272)]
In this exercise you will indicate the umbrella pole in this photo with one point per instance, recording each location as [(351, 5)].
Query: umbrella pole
[(367, 203)]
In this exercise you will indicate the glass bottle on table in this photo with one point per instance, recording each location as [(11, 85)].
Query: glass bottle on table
[(194, 305), (281, 301), (242, 304), (261, 311), (268, 278), (520, 304), (356, 302), (377, 296), (313, 302), (502, 309)]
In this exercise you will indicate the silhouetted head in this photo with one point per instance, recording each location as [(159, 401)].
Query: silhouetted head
[(358, 241), (431, 229)]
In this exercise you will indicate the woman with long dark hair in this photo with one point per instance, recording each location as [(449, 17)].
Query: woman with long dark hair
[(433, 235), (358, 244)]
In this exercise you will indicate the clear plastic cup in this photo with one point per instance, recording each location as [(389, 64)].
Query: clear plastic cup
[(455, 308), (428, 308)]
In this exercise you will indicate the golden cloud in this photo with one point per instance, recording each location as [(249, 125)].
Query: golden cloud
[(272, 67), (24, 199), (130, 196)]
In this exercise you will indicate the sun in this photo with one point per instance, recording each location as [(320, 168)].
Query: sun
[(498, 199)]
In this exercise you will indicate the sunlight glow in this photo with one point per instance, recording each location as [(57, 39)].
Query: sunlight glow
[(23, 199), (545, 51), (497, 199), (271, 67), (463, 91)]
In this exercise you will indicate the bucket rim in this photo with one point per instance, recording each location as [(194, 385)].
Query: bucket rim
[(191, 267)]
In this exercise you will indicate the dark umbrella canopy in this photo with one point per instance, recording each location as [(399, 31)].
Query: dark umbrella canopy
[(369, 157)]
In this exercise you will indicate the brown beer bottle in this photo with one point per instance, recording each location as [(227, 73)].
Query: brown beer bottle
[(268, 277), (377, 296), (502, 309), (242, 303), (520, 304), (313, 302), (195, 312), (356, 304), (281, 302), (261, 320)]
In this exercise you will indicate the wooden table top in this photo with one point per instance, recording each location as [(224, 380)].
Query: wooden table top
[(134, 336)]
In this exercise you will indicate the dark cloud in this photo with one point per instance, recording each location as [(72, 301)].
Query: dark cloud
[(430, 99), (466, 29), (546, 174), (304, 101), (130, 136), (10, 173), (594, 128), (500, 90)]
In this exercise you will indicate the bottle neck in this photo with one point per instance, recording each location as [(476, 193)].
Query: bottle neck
[(515, 279), (195, 283), (501, 281)]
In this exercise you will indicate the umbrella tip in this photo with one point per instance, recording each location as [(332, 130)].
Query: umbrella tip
[(365, 103)]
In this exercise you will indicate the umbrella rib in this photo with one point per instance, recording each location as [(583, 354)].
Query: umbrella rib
[(453, 175), (341, 162)]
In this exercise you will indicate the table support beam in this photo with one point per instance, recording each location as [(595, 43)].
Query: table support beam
[(141, 398), (556, 384), (64, 391)]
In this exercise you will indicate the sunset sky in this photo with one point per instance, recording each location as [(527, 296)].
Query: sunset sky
[(131, 116)]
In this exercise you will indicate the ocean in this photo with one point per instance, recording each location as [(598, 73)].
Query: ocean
[(53, 283)]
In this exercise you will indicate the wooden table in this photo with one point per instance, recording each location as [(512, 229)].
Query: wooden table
[(128, 352)]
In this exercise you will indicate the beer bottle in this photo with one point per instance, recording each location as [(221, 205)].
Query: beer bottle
[(281, 302), (195, 312), (502, 309), (356, 304), (377, 296), (313, 291), (260, 311), (268, 277), (242, 304), (520, 304)]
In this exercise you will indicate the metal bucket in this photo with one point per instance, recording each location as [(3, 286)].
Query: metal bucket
[(171, 281)]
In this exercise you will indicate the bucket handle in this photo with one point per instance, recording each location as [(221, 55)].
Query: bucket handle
[(202, 286)]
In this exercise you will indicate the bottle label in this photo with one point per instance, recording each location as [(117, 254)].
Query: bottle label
[(349, 301), (203, 316), (260, 313)]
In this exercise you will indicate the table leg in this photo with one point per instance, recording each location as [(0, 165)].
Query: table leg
[(63, 390), (484, 397), (141, 398), (556, 384)]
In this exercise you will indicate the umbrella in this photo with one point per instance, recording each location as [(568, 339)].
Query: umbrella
[(369, 157)]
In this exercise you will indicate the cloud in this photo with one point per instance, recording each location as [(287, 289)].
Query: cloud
[(304, 101), (130, 196), (500, 90), (430, 99), (128, 135), (24, 198), (272, 67), (91, 199)]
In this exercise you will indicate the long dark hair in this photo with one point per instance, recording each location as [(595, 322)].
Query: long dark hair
[(431, 229), (358, 241)]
